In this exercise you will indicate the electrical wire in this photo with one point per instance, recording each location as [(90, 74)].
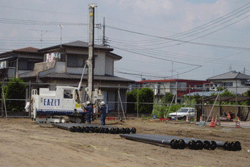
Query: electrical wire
[(173, 55), (178, 40), (35, 22)]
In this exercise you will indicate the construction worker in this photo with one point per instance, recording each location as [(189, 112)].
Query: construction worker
[(103, 112), (89, 111)]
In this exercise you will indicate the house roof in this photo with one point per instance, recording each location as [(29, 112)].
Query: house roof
[(76, 44), (231, 75), (27, 49), (171, 80), (30, 50), (75, 76)]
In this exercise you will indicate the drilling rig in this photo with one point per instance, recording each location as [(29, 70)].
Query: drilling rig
[(53, 106)]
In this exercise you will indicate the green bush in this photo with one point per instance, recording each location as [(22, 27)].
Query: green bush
[(161, 110), (167, 98), (131, 99), (146, 99), (15, 89)]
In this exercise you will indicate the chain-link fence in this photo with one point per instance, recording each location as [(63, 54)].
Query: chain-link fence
[(152, 101)]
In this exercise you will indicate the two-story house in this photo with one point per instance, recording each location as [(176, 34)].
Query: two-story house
[(236, 82), (19, 61), (63, 64)]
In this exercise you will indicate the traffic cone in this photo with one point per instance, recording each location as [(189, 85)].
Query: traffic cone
[(212, 122), (187, 120), (238, 122)]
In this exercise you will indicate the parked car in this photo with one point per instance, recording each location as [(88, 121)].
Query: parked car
[(182, 113)]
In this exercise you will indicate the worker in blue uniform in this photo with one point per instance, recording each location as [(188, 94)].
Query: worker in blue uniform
[(103, 109), (89, 111)]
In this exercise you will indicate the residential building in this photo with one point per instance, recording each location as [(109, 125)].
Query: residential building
[(179, 86), (64, 64), (236, 82), (19, 61)]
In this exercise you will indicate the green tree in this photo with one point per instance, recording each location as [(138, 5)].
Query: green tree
[(146, 99), (131, 99), (167, 98), (220, 88), (15, 89), (227, 93), (248, 95)]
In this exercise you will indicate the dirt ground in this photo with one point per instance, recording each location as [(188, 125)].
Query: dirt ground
[(24, 143)]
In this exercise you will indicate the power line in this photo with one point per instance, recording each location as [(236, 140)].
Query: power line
[(135, 74), (178, 40), (35, 22), (213, 22), (140, 50), (156, 57)]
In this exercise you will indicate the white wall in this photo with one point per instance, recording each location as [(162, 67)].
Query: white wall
[(60, 67), (109, 66), (99, 63)]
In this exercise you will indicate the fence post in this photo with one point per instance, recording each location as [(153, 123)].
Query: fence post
[(137, 101)]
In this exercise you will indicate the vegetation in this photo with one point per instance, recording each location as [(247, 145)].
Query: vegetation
[(145, 104), (167, 98), (15, 89)]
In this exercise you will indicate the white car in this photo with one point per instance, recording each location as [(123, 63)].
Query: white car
[(182, 113)]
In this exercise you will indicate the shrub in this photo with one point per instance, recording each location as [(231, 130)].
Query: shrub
[(15, 89), (146, 98)]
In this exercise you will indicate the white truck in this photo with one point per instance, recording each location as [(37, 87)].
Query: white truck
[(52, 106)]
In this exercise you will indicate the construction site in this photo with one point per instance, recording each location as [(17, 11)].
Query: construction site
[(63, 105), (24, 143)]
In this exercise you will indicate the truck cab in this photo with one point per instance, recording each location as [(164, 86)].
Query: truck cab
[(65, 100)]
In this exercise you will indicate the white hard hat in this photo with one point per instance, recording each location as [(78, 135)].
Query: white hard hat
[(102, 103), (87, 102)]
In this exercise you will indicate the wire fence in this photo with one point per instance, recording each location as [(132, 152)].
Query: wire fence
[(226, 105)]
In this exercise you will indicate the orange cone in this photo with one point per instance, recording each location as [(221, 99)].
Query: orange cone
[(212, 122)]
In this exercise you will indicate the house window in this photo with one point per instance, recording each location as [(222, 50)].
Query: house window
[(243, 82), (12, 63), (228, 84), (76, 60), (3, 64), (198, 87), (25, 65)]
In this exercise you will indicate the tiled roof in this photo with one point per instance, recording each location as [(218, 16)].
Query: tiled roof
[(230, 75), (28, 49), (76, 76), (78, 44)]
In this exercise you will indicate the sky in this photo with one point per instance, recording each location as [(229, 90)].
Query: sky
[(158, 39)]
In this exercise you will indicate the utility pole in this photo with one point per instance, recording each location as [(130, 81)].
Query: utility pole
[(60, 34), (103, 33), (91, 52)]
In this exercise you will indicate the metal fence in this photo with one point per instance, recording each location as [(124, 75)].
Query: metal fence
[(206, 102)]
